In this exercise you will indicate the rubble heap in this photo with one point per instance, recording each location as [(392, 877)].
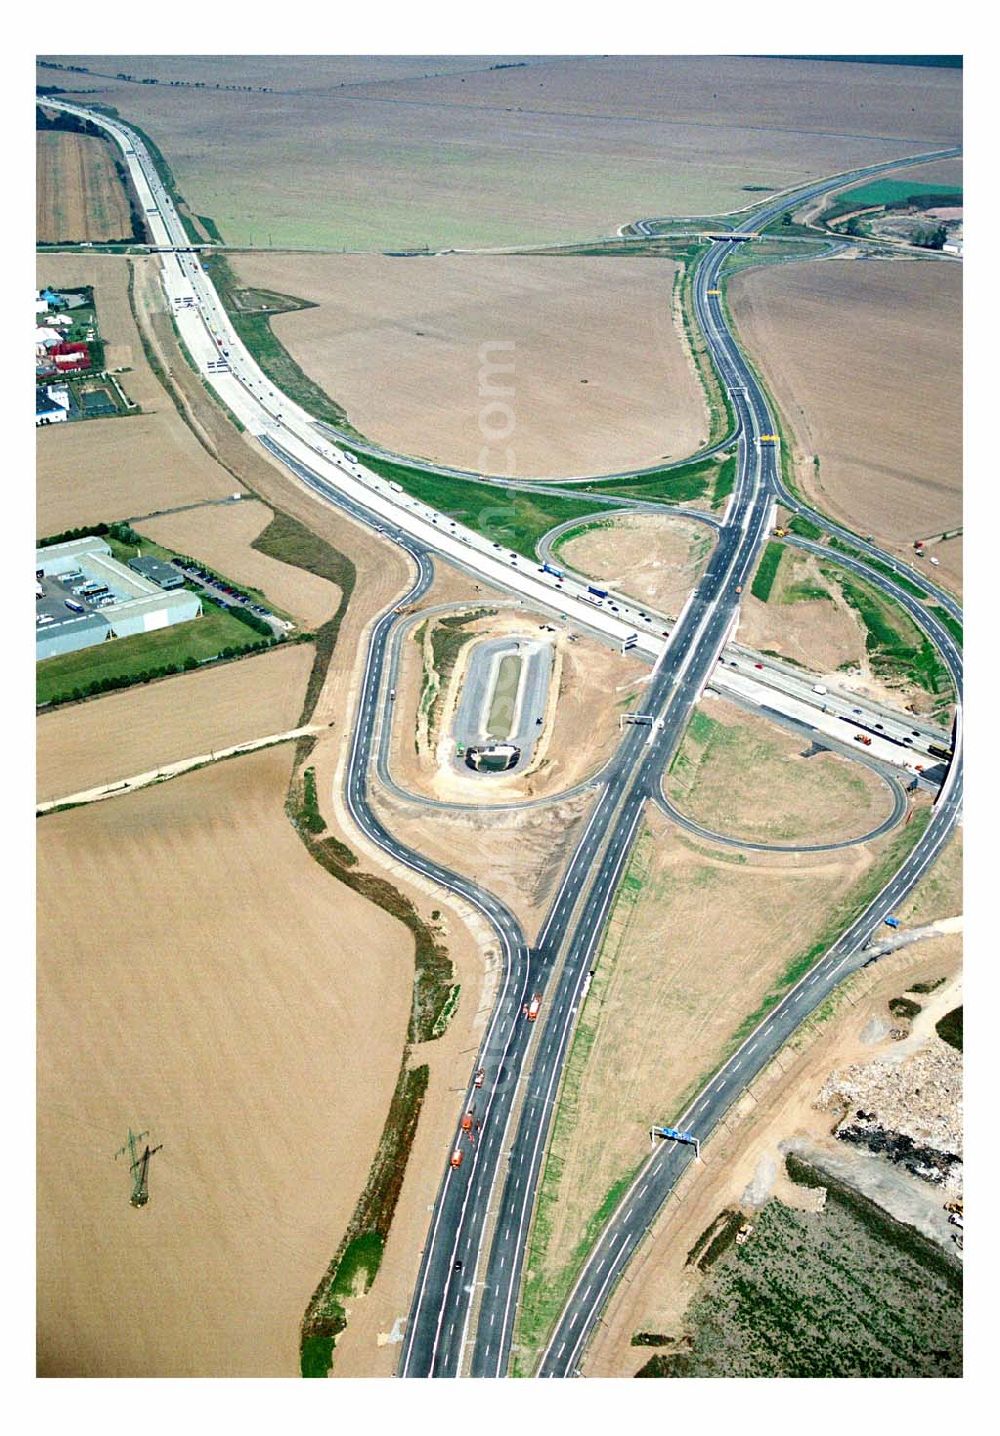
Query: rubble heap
[(908, 1110)]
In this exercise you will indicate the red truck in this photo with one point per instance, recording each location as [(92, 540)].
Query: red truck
[(531, 1008)]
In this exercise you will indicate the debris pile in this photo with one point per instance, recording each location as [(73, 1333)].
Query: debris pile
[(909, 1111)]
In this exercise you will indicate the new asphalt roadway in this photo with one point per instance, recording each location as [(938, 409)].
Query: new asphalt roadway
[(558, 965)]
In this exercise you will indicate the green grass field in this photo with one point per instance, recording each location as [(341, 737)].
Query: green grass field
[(514, 518), (704, 480), (889, 191), (767, 572), (200, 639)]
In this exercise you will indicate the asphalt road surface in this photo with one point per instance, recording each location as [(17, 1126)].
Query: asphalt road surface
[(512, 1116)]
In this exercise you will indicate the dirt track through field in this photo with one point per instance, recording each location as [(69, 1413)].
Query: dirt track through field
[(106, 739)]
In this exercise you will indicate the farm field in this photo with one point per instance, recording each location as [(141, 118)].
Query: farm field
[(109, 469), (228, 1016), (739, 775), (655, 560), (403, 346), (222, 537), (78, 195), (133, 731), (865, 362), (661, 1012), (557, 149)]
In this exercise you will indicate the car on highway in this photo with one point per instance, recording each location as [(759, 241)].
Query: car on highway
[(457, 1266)]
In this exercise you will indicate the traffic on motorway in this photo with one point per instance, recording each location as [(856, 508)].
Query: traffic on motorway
[(460, 1320)]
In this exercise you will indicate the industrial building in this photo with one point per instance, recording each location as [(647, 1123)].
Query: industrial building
[(83, 596), (51, 405), (164, 575)]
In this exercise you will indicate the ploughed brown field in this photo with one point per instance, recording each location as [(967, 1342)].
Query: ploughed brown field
[(202, 978), (865, 362), (405, 152), (504, 364), (121, 735), (78, 195), (106, 469)]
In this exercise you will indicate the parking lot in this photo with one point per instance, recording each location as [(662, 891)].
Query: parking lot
[(226, 596)]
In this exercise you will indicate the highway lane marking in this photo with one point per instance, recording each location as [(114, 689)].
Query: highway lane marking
[(727, 338)]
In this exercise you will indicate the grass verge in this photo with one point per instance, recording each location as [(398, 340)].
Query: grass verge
[(291, 542), (357, 1259), (514, 519), (701, 481), (897, 649), (251, 312), (767, 572)]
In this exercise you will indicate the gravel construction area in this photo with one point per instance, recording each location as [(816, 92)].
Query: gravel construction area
[(908, 1109)]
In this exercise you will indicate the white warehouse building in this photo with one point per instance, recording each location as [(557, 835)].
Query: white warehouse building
[(87, 597)]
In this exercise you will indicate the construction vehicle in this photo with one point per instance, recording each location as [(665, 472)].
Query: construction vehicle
[(468, 1118), (863, 738), (780, 532), (456, 1157), (956, 1206), (531, 1008), (745, 1232), (957, 1219)]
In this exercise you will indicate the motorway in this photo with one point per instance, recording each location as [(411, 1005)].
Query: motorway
[(514, 1112)]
